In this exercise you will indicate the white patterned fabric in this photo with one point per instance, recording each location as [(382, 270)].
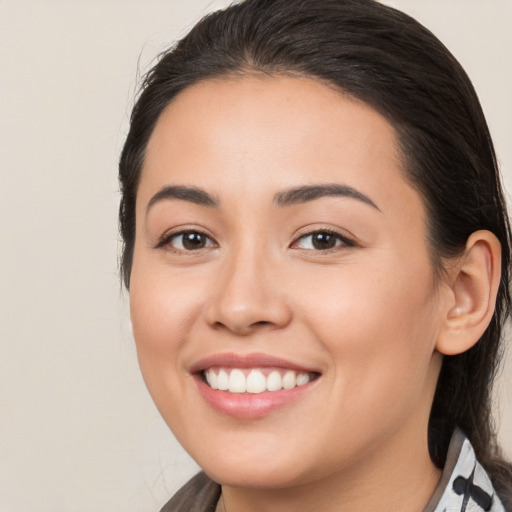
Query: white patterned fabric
[(464, 485)]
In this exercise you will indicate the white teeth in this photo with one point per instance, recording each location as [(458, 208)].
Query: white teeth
[(302, 378), (289, 380), (256, 382), (235, 380), (222, 380), (211, 378), (274, 381)]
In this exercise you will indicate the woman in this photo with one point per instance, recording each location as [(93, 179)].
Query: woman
[(317, 251)]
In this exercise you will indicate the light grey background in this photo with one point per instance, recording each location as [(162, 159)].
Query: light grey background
[(78, 431)]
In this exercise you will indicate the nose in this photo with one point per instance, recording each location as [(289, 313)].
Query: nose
[(248, 296)]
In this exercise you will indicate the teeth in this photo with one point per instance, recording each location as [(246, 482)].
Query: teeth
[(222, 380), (274, 381), (289, 380), (236, 381), (211, 378), (302, 378), (256, 382)]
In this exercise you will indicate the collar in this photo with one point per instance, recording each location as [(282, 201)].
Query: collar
[(464, 485)]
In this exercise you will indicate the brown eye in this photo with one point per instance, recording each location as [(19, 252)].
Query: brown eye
[(322, 241), (193, 241), (190, 241)]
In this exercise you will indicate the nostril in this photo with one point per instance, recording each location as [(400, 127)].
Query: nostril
[(262, 323), (243, 329)]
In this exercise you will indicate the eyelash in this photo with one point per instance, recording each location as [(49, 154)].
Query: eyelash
[(166, 240), (346, 242)]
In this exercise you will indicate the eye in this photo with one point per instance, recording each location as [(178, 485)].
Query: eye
[(187, 241), (322, 240)]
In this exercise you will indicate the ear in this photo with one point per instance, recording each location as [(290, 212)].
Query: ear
[(471, 292)]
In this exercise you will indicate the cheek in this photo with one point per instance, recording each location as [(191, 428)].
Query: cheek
[(160, 315), (162, 308), (364, 296), (378, 325)]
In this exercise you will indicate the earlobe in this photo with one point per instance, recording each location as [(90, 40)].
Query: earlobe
[(473, 286)]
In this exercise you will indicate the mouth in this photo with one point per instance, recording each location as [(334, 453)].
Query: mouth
[(251, 386), (255, 380)]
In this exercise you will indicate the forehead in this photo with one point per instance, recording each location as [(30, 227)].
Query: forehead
[(255, 134)]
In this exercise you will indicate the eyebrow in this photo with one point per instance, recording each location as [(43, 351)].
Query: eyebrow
[(285, 198), (191, 194), (311, 192)]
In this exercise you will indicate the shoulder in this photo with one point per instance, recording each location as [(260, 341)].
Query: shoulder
[(199, 494), (464, 484)]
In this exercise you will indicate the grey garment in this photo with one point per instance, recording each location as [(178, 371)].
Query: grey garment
[(199, 494), (464, 486)]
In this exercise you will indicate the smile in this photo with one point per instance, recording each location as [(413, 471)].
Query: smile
[(251, 386), (255, 380)]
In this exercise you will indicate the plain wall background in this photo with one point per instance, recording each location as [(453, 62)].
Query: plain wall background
[(78, 430)]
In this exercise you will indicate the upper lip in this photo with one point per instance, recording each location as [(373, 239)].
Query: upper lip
[(255, 360)]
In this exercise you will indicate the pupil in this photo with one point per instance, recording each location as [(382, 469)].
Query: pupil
[(193, 241), (323, 241)]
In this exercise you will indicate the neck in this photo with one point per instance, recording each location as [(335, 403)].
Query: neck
[(400, 478)]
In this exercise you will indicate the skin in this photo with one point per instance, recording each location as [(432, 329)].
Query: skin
[(366, 315)]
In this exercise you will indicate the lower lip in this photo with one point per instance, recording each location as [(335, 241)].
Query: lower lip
[(250, 405)]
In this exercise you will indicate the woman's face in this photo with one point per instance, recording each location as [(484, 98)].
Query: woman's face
[(279, 249)]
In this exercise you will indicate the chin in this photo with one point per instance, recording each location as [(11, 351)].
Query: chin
[(257, 465)]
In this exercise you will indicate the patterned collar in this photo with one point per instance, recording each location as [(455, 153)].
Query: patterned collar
[(464, 484)]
